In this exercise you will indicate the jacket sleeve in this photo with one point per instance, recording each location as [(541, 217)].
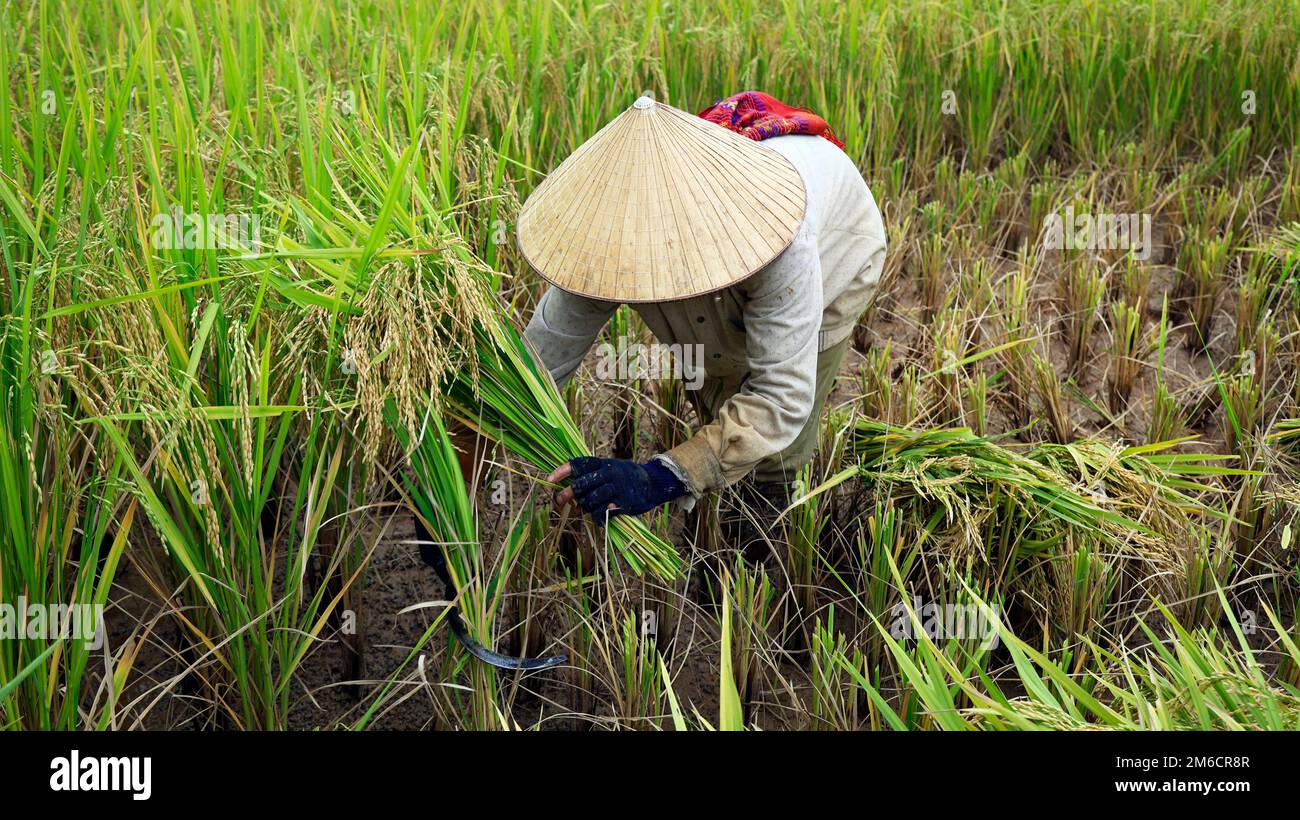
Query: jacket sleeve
[(782, 323), (563, 328)]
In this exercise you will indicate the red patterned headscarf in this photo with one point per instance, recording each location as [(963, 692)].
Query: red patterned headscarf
[(759, 116)]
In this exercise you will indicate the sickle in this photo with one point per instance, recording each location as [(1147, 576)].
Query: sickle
[(432, 555)]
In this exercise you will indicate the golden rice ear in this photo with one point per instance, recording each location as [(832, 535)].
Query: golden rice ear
[(661, 205)]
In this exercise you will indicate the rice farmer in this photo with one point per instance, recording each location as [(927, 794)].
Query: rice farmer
[(746, 231)]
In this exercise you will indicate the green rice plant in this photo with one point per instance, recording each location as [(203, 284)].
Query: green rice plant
[(437, 490), (1192, 680), (988, 198), (1254, 293), (1286, 433), (1257, 507), (948, 461), (1202, 682), (804, 526), (755, 615), (890, 536), (680, 723), (1290, 401), (643, 683), (908, 393), (949, 349), (1210, 566), (935, 213), (977, 396), (1042, 202), (983, 107), (1263, 361), (1289, 670), (977, 297), (1206, 263), (1141, 501), (1085, 287), (182, 396), (1086, 577), (731, 714), (472, 356), (625, 328), (1167, 418), (1056, 408), (515, 403), (1289, 199), (1243, 401), (1135, 281), (66, 524), (833, 705), (931, 272), (255, 631), (1017, 331), (671, 428), (1125, 354), (1012, 176), (876, 398), (950, 631), (581, 619), (536, 538), (1139, 180)]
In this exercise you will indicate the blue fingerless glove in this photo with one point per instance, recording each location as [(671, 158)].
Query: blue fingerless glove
[(633, 488)]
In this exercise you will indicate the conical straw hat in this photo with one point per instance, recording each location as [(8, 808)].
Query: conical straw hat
[(661, 205)]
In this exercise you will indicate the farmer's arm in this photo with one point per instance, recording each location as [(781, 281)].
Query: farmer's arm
[(563, 328), (561, 331), (782, 324)]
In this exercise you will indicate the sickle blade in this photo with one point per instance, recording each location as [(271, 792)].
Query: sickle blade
[(432, 555)]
